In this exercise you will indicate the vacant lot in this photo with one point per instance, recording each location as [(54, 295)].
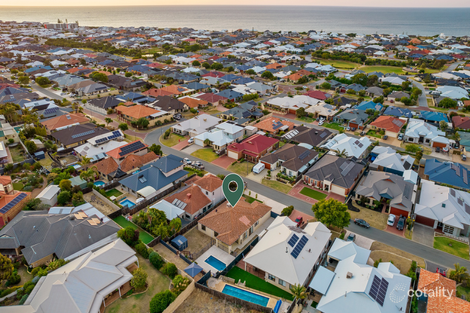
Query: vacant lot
[(172, 140), (340, 64), (336, 126), (375, 219), (144, 236), (140, 303), (242, 169), (206, 154), (401, 259), (383, 69), (313, 193), (451, 246), (276, 185)]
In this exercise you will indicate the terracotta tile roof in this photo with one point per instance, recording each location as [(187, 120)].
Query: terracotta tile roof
[(175, 89), (317, 94), (256, 144), (294, 77), (274, 66), (5, 180), (193, 102), (461, 122), (267, 124), (115, 152), (389, 123), (230, 223), (444, 291), (209, 182), (157, 92), (211, 97), (194, 198), (136, 111), (106, 166), (134, 161), (65, 120)]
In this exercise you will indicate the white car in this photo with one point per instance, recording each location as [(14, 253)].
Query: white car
[(391, 219), (191, 140), (187, 161)]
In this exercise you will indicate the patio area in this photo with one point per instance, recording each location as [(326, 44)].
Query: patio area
[(216, 253)]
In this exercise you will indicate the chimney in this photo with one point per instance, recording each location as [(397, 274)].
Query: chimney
[(349, 275), (316, 132), (188, 195)]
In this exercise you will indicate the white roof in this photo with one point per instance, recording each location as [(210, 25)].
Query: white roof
[(295, 102), (323, 109), (341, 250), (410, 176), (417, 128), (452, 92), (274, 244), (354, 294), (198, 124), (171, 211), (353, 147), (3, 151), (322, 280), (146, 191), (88, 150), (216, 136), (81, 285), (49, 192), (393, 80), (390, 159)]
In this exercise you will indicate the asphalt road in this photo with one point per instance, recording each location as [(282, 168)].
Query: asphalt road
[(427, 253), (46, 92), (452, 67), (422, 101)]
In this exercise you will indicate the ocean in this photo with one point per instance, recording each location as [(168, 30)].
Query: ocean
[(414, 21)]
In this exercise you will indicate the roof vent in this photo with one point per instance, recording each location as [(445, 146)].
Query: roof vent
[(349, 275), (188, 195)]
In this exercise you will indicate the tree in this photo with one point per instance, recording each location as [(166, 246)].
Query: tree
[(156, 260), (351, 92), (24, 80), (300, 112), (129, 235), (360, 79), (161, 301), (196, 63), (6, 268), (342, 153), (372, 80), (141, 248), (326, 85), (139, 279), (459, 274), (170, 270), (123, 126), (175, 225), (180, 283), (128, 74), (43, 81), (157, 149), (206, 65), (97, 76), (443, 125), (230, 69), (85, 161), (142, 122), (302, 80), (331, 212), (108, 120), (298, 291), (448, 103), (361, 93), (250, 72), (217, 66), (31, 146), (89, 174), (63, 197), (65, 184), (267, 75), (193, 110), (287, 211)]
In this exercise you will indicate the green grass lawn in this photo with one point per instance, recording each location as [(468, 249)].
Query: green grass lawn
[(113, 192), (313, 193), (464, 291), (373, 133), (241, 169), (172, 140), (251, 199), (143, 235), (206, 154), (336, 126), (18, 186), (383, 69), (274, 184), (458, 248), (256, 283), (305, 119), (340, 64), (17, 154), (192, 171)]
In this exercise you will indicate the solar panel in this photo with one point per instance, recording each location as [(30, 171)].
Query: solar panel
[(347, 169), (116, 133), (277, 125), (323, 135), (298, 248), (101, 140), (382, 292), (51, 111), (83, 134), (293, 240), (374, 288), (304, 154), (360, 145), (356, 142), (399, 123), (464, 175), (467, 208), (132, 147), (343, 166), (452, 192), (460, 201)]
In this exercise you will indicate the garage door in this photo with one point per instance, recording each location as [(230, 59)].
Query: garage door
[(399, 212), (425, 221), (266, 165), (199, 142), (233, 155), (438, 144)]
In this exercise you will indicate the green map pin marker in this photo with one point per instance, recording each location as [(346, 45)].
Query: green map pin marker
[(233, 187)]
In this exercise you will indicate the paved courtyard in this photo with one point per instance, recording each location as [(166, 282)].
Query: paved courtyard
[(181, 145), (423, 234), (223, 161)]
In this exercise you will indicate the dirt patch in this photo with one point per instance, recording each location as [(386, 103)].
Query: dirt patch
[(168, 255), (98, 203), (197, 240), (401, 259), (375, 219), (202, 302)]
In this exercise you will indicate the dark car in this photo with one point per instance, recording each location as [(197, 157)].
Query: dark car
[(363, 133), (438, 149), (198, 165), (351, 237), (361, 222), (385, 137), (401, 223)]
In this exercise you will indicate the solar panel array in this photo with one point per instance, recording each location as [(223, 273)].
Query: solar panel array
[(101, 140), (293, 240), (291, 134), (378, 290), (399, 123), (50, 111), (131, 148), (277, 125), (180, 204), (347, 169), (323, 135), (115, 134), (464, 175), (12, 203), (83, 134), (298, 248), (304, 154)]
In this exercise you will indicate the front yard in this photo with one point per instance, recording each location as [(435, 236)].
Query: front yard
[(257, 283), (251, 199), (313, 193), (241, 169), (143, 235), (374, 133), (172, 140), (305, 119), (375, 219), (276, 185), (156, 281), (401, 259), (336, 126), (451, 246), (206, 154)]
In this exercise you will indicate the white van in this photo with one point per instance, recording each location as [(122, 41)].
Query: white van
[(258, 168)]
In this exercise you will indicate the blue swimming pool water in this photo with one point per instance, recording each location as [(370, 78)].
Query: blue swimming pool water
[(127, 202), (245, 295), (216, 263), (99, 183)]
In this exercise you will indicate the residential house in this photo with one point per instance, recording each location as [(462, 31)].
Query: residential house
[(297, 253), (352, 117), (221, 136), (212, 98), (461, 122), (397, 96), (291, 105), (78, 134), (433, 117), (322, 110), (308, 137), (49, 195), (398, 112), (243, 113), (192, 200), (366, 105), (454, 174), (390, 125), (170, 104), (387, 188), (334, 174), (193, 103), (211, 186), (349, 146), (6, 187), (197, 125), (274, 125), (7, 132), (101, 277), (136, 112), (11, 203), (102, 105), (374, 92), (386, 159), (252, 148), (292, 160), (133, 148), (232, 227), (444, 209), (418, 131), (64, 121)]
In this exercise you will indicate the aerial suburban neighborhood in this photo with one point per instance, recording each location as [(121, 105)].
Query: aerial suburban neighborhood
[(115, 145)]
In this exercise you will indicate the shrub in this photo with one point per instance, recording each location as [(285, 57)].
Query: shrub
[(139, 279), (141, 248), (23, 300), (170, 270), (156, 260), (14, 279), (28, 290), (287, 210), (180, 283), (342, 235), (161, 301)]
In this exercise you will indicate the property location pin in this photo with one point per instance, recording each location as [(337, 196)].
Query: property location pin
[(233, 187)]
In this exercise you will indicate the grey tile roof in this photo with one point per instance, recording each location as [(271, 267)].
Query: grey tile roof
[(293, 157)]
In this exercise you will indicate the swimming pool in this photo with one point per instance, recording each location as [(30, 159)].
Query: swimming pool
[(127, 203), (215, 263), (99, 183), (245, 295)]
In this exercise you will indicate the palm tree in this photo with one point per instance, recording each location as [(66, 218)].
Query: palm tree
[(298, 291), (342, 153), (89, 174), (459, 274), (75, 106), (85, 161)]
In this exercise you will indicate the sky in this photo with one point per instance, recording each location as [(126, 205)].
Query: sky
[(363, 3)]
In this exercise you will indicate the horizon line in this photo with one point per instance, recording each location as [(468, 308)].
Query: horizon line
[(235, 5)]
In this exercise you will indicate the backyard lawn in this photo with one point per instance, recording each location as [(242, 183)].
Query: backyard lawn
[(256, 283), (206, 154), (156, 282), (241, 169), (313, 193), (373, 133), (333, 126), (143, 235), (383, 69), (18, 186), (172, 140), (113, 192), (274, 184), (458, 248), (17, 154)]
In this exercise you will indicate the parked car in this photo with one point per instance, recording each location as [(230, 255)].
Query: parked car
[(258, 168), (441, 271), (463, 157), (191, 140), (187, 161), (385, 137), (445, 149), (220, 152), (351, 237), (361, 222), (177, 116), (199, 165), (363, 133), (400, 137), (348, 128), (401, 223), (391, 219), (438, 149)]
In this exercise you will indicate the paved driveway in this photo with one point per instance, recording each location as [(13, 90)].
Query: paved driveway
[(423, 235), (361, 241), (190, 149), (224, 161)]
